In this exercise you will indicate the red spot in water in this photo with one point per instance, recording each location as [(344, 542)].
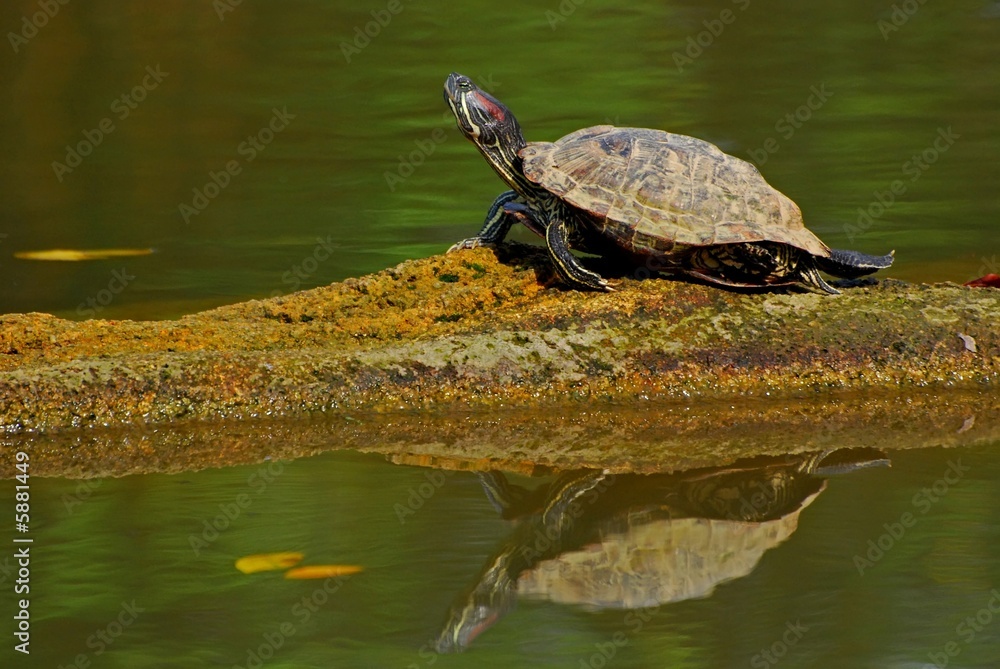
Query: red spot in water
[(988, 281), (495, 110)]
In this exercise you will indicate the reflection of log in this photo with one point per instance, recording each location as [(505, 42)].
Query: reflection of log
[(468, 331), (645, 438)]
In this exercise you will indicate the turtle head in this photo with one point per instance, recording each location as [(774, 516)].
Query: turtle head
[(464, 625), (488, 124)]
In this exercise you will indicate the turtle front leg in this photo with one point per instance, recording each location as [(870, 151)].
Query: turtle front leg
[(495, 227), (567, 265), (522, 213)]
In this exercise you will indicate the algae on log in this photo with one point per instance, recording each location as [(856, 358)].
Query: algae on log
[(484, 329)]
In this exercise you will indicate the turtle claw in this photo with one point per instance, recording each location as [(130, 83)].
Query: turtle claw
[(594, 281), (600, 284), (604, 287), (470, 243)]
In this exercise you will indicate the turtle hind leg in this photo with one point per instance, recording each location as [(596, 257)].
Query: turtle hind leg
[(757, 265), (793, 263), (808, 274), (853, 264)]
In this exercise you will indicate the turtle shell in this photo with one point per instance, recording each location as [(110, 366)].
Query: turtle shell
[(659, 561), (656, 192)]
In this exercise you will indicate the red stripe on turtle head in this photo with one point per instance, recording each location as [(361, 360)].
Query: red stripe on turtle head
[(495, 110)]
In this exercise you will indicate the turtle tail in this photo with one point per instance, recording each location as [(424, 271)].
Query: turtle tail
[(852, 264)]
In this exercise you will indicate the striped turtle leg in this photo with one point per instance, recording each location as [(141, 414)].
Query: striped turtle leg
[(809, 275), (755, 265), (567, 266), (495, 227), (797, 264), (566, 490), (505, 498)]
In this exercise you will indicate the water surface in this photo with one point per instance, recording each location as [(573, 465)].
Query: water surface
[(832, 106), (295, 142), (168, 543)]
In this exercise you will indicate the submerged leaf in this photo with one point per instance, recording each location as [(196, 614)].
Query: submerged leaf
[(267, 562), (81, 254), (323, 571)]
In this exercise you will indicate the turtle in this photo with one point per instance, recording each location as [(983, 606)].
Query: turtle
[(628, 541), (672, 203)]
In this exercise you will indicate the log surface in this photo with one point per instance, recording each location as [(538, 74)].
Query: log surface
[(488, 331)]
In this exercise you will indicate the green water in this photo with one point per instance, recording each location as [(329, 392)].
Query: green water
[(319, 188), (317, 199), (167, 545)]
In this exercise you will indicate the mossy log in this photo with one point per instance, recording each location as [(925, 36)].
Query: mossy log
[(486, 330)]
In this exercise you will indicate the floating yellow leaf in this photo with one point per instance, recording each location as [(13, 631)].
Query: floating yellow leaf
[(323, 571), (81, 254), (267, 562)]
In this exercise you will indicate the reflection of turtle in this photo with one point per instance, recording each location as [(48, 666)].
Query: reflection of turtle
[(547, 516), (675, 203), (631, 541)]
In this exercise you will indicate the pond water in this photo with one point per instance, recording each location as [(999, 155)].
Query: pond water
[(361, 166), (261, 148), (874, 566)]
